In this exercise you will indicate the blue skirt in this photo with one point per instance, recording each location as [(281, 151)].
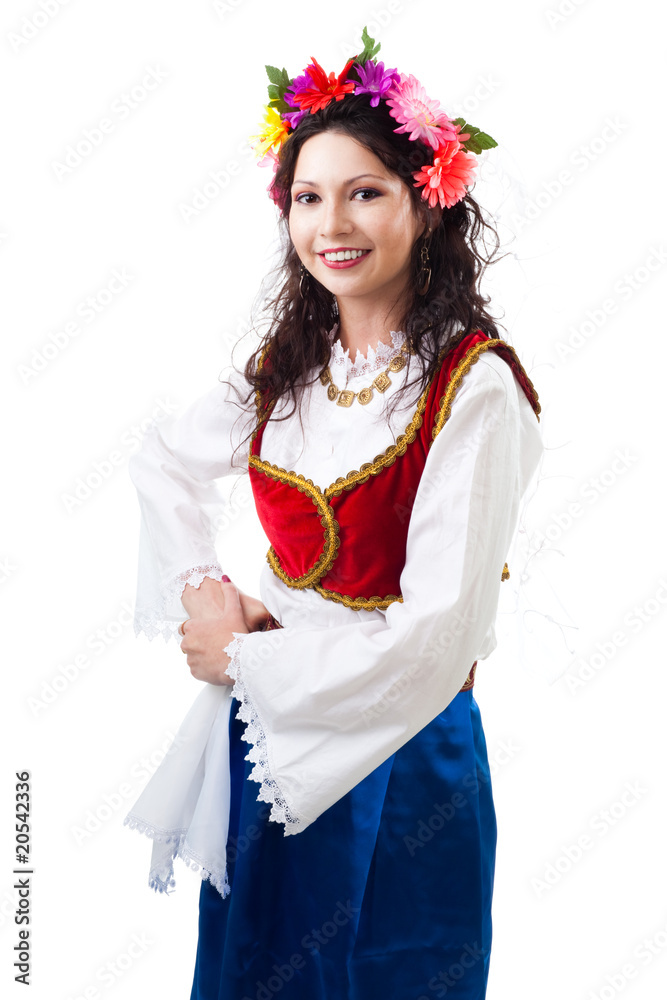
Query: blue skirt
[(386, 895)]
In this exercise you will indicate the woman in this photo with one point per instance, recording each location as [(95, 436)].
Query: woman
[(363, 865)]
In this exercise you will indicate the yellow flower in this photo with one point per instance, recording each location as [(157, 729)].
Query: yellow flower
[(274, 134)]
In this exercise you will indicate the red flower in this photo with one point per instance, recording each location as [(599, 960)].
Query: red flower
[(325, 88)]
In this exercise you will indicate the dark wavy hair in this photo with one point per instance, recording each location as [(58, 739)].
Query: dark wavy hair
[(298, 328)]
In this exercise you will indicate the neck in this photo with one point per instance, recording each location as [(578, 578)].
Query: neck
[(361, 327)]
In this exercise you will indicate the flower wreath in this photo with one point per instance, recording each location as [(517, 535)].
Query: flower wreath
[(452, 140)]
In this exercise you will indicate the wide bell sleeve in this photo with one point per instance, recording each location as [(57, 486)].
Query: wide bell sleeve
[(325, 707), (176, 474)]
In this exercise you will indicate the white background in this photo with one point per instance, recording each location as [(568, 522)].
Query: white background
[(581, 91)]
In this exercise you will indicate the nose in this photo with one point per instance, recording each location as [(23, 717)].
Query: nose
[(335, 217)]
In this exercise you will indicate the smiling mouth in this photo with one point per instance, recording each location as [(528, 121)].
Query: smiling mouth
[(343, 254)]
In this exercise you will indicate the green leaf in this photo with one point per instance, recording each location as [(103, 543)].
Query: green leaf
[(478, 140), (274, 74), (370, 49), (278, 85), (281, 105)]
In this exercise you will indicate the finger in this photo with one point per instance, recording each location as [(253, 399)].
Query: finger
[(231, 595)]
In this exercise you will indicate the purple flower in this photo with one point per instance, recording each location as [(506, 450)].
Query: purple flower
[(294, 117), (375, 80), (297, 86)]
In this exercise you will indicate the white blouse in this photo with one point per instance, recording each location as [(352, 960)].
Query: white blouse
[(332, 694)]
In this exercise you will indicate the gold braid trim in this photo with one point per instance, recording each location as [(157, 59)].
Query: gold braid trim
[(357, 603), (330, 524), (459, 373), (390, 454)]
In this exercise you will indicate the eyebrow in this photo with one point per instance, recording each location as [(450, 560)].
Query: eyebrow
[(350, 181)]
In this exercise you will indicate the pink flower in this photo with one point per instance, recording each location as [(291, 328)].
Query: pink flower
[(446, 181), (422, 117)]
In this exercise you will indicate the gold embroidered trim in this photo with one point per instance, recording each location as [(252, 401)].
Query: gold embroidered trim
[(390, 454), (329, 522), (357, 603), (470, 679), (461, 370), (382, 461)]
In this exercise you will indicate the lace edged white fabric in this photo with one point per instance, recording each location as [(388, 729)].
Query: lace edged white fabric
[(184, 808), (173, 844), (374, 360), (164, 618), (255, 735)]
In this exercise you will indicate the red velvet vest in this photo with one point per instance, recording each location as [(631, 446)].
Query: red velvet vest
[(348, 541)]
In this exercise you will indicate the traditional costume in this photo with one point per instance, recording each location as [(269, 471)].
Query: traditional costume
[(337, 800)]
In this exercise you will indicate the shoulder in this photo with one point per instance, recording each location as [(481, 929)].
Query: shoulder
[(496, 371), (479, 370)]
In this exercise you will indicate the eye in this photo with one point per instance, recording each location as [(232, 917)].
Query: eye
[(304, 197), (366, 194)]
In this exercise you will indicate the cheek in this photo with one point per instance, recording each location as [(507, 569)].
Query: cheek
[(299, 231)]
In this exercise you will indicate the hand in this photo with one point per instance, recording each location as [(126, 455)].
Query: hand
[(205, 638), (207, 601), (254, 612)]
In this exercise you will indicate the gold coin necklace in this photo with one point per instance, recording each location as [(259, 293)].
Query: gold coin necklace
[(345, 397)]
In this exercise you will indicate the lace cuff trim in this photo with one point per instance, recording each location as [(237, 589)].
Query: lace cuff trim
[(158, 620), (161, 876), (256, 736)]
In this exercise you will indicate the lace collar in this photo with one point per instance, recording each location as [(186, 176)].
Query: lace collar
[(374, 360)]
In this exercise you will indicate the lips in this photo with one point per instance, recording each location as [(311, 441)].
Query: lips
[(343, 256)]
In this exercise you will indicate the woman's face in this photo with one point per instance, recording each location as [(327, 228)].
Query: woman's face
[(346, 202)]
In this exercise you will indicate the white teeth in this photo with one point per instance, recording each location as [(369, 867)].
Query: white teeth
[(345, 254)]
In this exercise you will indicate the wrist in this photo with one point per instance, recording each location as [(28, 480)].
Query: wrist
[(205, 601)]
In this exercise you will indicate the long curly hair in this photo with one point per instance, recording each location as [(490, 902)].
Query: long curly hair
[(298, 328)]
